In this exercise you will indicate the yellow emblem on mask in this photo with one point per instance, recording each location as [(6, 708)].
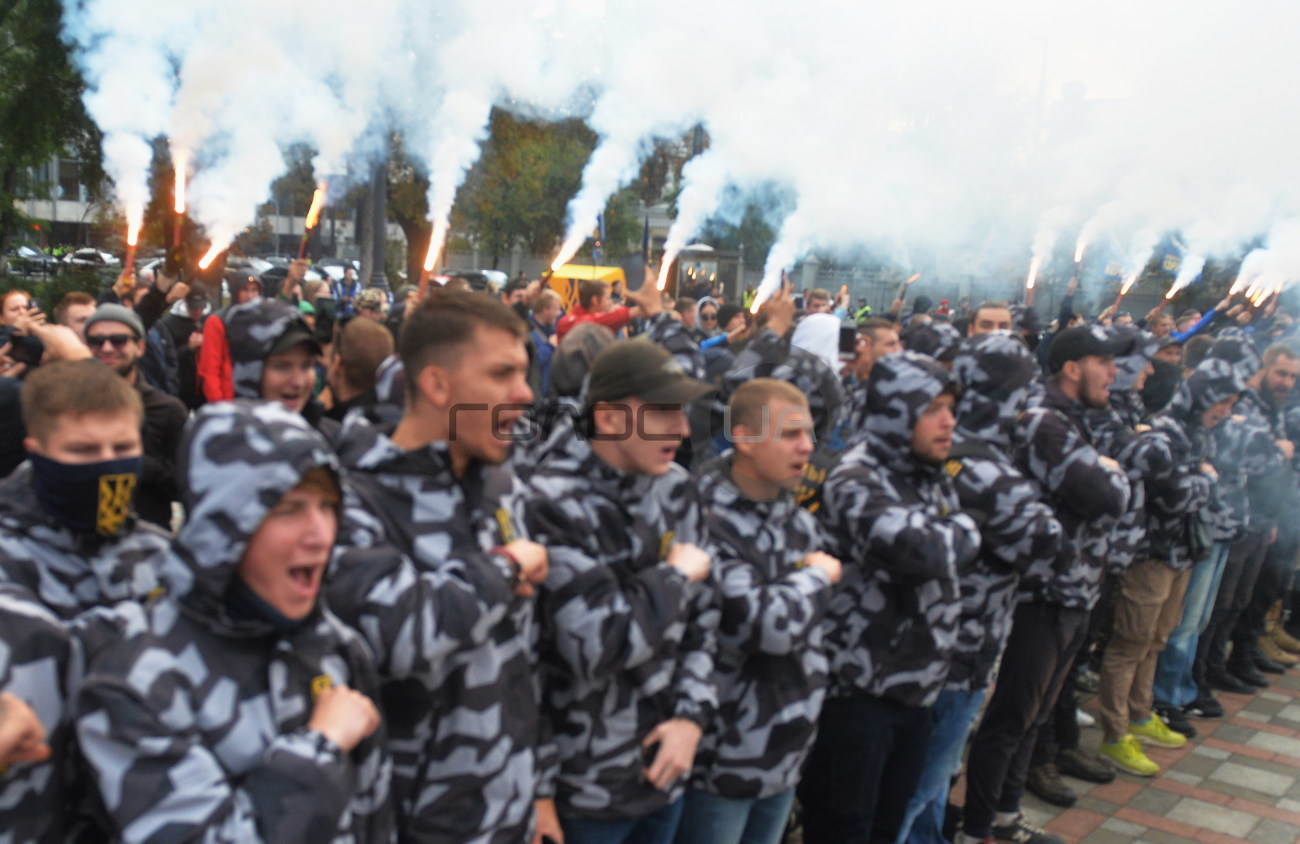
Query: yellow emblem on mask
[(320, 683), (953, 468), (115, 494)]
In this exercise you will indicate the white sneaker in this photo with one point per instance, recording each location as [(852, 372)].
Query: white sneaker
[(1083, 719)]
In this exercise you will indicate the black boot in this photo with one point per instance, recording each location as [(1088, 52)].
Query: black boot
[(1227, 682), (1045, 782), (1177, 720), (1242, 664), (1075, 763)]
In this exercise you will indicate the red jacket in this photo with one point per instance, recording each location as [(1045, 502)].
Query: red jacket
[(216, 382), (613, 319)]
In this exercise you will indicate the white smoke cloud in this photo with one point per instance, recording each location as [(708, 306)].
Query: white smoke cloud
[(979, 134)]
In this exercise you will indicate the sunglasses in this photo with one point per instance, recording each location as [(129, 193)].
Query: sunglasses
[(708, 317), (119, 341)]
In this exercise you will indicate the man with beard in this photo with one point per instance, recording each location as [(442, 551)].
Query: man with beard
[(115, 336), (1149, 596), (1020, 542), (1088, 492), (895, 521)]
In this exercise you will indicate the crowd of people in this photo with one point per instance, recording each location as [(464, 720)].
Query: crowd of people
[(334, 564)]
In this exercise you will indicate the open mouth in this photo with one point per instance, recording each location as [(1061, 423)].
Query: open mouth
[(306, 578)]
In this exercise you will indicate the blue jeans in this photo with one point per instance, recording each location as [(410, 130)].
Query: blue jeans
[(656, 828), (1174, 684), (954, 715), (710, 819)]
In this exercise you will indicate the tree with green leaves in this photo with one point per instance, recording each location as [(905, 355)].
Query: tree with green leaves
[(41, 113)]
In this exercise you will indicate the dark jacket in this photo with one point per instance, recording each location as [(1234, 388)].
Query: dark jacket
[(164, 422), (771, 662), (897, 526), (194, 718), (452, 641), (1057, 454), (627, 642)]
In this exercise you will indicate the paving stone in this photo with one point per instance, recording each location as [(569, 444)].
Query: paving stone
[(1212, 752), (1185, 779), (1252, 715), (1092, 804), (1198, 765), (1236, 733), (1232, 790), (1288, 805), (1290, 713), (1256, 779), (1274, 696), (1270, 741), (1159, 836), (1106, 836), (1155, 801), (1124, 827), (1209, 816), (1269, 831)]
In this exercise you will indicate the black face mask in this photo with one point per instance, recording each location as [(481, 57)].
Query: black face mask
[(86, 497)]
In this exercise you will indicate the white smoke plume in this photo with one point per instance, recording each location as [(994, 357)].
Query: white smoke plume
[(978, 136)]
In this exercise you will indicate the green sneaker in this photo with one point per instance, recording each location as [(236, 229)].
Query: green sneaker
[(1157, 732), (1128, 756)]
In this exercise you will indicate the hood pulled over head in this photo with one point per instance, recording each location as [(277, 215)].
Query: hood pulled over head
[(995, 373), (901, 387), (237, 460)]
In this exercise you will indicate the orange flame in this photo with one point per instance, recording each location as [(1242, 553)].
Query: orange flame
[(435, 247), (1128, 284), (1078, 251), (1173, 290), (132, 233), (213, 252), (913, 278), (317, 202), (570, 248)]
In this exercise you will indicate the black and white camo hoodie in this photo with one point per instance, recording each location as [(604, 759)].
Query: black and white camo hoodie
[(771, 663), (35, 665), (1020, 539), (453, 643), (627, 641), (194, 721), (1056, 452), (896, 524)]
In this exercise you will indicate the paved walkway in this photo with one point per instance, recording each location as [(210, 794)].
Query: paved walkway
[(1238, 780)]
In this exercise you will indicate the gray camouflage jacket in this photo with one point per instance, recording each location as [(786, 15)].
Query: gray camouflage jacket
[(897, 526), (771, 662), (193, 717), (35, 665), (1020, 539), (454, 645), (627, 642), (1057, 454)]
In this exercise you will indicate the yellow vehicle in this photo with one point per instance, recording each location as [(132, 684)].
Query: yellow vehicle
[(566, 279)]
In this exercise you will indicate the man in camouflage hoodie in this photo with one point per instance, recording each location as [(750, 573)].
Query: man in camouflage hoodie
[(1088, 492), (775, 582), (440, 582), (895, 521), (1149, 598), (237, 707), (628, 616), (69, 543), (1020, 542)]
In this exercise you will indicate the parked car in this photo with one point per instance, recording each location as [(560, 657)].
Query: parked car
[(95, 259), (480, 279), (28, 260)]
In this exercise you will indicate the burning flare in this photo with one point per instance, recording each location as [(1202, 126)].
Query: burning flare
[(1033, 274), (570, 248), (215, 250), (1128, 284), (1079, 249), (180, 161), (317, 203), (435, 246)]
